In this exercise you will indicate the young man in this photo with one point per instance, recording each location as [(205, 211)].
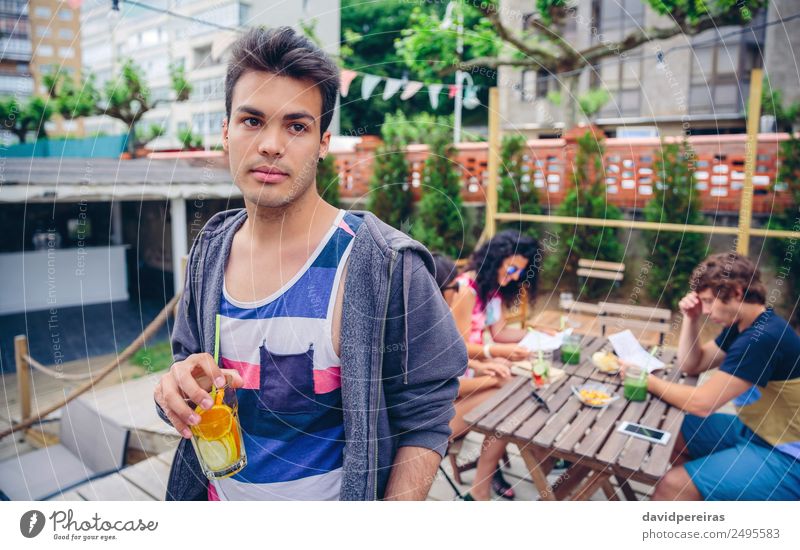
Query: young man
[(755, 455), (343, 350)]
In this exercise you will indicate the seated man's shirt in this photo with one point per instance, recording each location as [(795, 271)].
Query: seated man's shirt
[(767, 354)]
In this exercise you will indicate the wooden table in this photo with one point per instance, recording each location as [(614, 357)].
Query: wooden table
[(583, 435)]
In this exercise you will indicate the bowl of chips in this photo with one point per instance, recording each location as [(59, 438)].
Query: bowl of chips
[(606, 362), (594, 395)]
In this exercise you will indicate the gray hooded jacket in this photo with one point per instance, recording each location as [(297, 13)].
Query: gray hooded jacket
[(401, 353)]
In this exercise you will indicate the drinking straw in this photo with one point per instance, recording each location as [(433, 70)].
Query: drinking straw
[(216, 339), (216, 355), (563, 322)]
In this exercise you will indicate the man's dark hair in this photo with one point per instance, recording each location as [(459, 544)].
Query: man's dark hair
[(283, 52), (724, 273)]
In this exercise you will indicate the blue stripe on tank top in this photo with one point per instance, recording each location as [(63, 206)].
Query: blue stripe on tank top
[(298, 301)]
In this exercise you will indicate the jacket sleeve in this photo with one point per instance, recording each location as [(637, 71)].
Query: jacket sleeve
[(184, 340), (423, 356)]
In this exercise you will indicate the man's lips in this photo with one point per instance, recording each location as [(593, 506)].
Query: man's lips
[(269, 175)]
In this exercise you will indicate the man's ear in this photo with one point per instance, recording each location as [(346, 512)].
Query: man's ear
[(225, 134), (324, 144)]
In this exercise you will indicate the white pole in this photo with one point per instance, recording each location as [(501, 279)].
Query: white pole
[(177, 209), (116, 222)]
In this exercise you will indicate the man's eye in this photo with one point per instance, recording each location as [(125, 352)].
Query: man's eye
[(251, 122), (297, 127)]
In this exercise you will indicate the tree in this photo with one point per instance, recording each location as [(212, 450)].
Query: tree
[(72, 101), (586, 199), (673, 255), (189, 140), (516, 191), (370, 32), (390, 197), (328, 180), (541, 43), (439, 223), (125, 98), (21, 119)]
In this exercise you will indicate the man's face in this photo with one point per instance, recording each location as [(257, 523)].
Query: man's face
[(723, 313), (273, 138)]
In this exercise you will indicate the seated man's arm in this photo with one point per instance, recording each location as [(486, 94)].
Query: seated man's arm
[(720, 388), (710, 356)]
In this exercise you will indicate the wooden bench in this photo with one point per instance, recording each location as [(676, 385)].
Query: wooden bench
[(597, 269)]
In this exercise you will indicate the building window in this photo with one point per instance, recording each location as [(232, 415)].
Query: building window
[(66, 34), (42, 11), (617, 19), (44, 50), (65, 14), (43, 32), (720, 70), (66, 53)]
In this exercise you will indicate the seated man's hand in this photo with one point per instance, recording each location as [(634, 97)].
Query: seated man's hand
[(186, 380), (690, 306)]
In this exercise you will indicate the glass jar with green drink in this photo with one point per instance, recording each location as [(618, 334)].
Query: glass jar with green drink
[(635, 384), (571, 349)]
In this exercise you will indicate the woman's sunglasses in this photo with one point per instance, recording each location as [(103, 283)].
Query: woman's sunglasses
[(512, 269)]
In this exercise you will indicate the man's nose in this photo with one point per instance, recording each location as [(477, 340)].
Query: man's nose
[(270, 141)]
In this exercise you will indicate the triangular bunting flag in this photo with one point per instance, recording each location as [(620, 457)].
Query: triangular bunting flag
[(345, 78), (412, 87), (392, 85), (368, 84), (433, 94), (452, 90)]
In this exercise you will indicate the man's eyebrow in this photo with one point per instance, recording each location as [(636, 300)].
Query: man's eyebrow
[(299, 115), (250, 110), (289, 116)]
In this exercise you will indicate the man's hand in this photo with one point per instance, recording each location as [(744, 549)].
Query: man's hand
[(690, 306), (186, 380)]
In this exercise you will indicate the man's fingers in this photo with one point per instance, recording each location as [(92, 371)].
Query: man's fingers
[(236, 379), (176, 404), (179, 426), (212, 369), (188, 384)]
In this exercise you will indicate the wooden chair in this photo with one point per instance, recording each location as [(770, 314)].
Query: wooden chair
[(637, 318), (597, 269)]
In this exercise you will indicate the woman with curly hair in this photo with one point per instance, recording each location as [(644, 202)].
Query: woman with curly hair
[(493, 279)]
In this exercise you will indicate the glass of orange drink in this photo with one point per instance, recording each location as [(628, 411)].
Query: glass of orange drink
[(217, 438)]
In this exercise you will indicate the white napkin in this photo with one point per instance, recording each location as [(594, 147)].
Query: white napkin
[(536, 340), (627, 347)]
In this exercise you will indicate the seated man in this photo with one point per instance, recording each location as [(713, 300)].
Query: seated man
[(755, 455)]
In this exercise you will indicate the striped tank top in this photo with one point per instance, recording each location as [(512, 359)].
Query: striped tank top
[(290, 407)]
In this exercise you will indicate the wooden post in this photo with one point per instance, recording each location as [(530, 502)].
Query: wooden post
[(751, 149), (23, 376), (494, 163)]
